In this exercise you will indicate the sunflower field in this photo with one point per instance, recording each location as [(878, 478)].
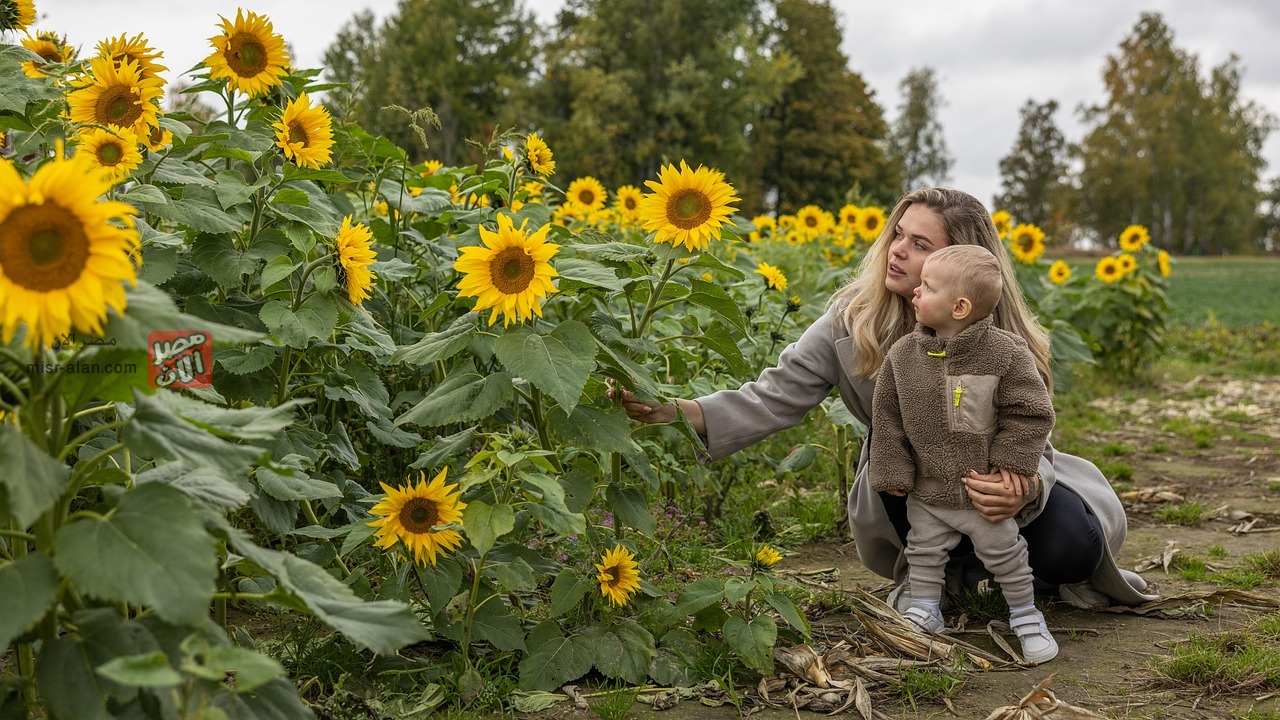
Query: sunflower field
[(264, 368)]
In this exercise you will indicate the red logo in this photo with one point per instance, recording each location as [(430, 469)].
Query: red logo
[(180, 358)]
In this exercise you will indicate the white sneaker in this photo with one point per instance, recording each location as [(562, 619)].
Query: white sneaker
[(1083, 595), (922, 618), (1038, 646), (900, 597)]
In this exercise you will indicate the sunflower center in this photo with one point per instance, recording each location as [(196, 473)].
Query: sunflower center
[(419, 515), (298, 134), (512, 270), (110, 153), (688, 209), (586, 197), (811, 221), (614, 575), (246, 55), (50, 55), (1026, 243), (117, 105), (43, 247), (630, 203)]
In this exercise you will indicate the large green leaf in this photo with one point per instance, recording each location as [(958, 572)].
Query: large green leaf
[(593, 428), (485, 523), (577, 273), (204, 484), (787, 609), (150, 308), (143, 670), (437, 346), (249, 423), (698, 595), (152, 550), (753, 643), (155, 431), (199, 210), (568, 590), (315, 319), (381, 626), (292, 484), (464, 396), (550, 508), (721, 341), (714, 297), (30, 586), (630, 506), (494, 623), (553, 659), (67, 681), (31, 481), (623, 651), (276, 700), (557, 363)]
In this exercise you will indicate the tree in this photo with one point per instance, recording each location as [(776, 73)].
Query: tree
[(827, 132), (916, 141), (1034, 175), (462, 58), (1172, 151)]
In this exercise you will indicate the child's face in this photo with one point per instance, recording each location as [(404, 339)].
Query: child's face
[(935, 297)]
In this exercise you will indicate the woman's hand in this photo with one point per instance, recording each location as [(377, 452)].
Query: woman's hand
[(998, 495), (651, 413)]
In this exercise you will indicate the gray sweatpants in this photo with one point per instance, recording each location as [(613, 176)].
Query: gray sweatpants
[(936, 530)]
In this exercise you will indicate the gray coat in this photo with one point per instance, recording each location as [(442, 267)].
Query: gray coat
[(822, 359)]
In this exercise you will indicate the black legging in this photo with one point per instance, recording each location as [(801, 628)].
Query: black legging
[(1064, 542)]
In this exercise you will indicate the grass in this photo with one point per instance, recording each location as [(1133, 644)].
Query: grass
[(1187, 514), (1232, 662), (1234, 291), (614, 700), (930, 684)]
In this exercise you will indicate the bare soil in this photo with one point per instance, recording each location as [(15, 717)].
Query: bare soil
[(1107, 659)]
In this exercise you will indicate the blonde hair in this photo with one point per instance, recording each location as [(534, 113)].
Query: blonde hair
[(973, 272), (876, 318)]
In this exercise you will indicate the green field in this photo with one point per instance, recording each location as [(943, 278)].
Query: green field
[(1235, 291)]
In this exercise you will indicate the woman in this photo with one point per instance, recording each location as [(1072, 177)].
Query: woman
[(1072, 520)]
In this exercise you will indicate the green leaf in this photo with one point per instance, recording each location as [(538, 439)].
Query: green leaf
[(484, 523), (231, 189), (593, 428), (753, 643), (800, 457), (714, 297), (152, 550), (637, 651), (146, 670), (436, 346), (276, 270), (464, 396), (557, 363), (145, 193), (721, 341), (293, 172), (316, 319), (30, 587), (173, 170), (711, 261), (276, 700), (735, 589), (295, 486), (67, 681), (615, 251), (630, 506), (580, 273), (443, 449), (698, 595), (249, 423), (31, 481), (787, 609), (495, 624), (244, 362), (206, 485), (441, 581), (550, 509), (380, 626), (552, 659), (249, 669), (568, 590), (535, 701), (217, 256)]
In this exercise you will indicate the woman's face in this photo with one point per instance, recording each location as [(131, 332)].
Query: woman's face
[(918, 233)]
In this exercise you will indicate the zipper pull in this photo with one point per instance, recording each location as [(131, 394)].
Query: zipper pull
[(958, 391)]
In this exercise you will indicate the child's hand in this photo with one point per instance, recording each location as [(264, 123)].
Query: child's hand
[(897, 493), (1013, 481)]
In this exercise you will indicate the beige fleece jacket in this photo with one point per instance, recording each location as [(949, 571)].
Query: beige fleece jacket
[(945, 406)]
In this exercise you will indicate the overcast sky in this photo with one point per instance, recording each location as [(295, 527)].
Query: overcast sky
[(991, 55)]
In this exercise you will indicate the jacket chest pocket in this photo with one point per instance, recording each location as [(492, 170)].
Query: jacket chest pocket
[(971, 402)]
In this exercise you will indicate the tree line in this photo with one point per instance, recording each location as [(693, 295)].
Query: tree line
[(761, 90)]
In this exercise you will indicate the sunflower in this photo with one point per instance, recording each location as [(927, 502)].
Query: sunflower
[(512, 272), (114, 150), (1108, 270), (1026, 241), (870, 223), (773, 277), (767, 557), (538, 155), (410, 514), (1162, 261), (618, 574), (764, 222), (1003, 222), (1127, 263), (116, 96), (1059, 272), (810, 222), (305, 132), (1133, 238), (158, 139), (16, 14), (62, 258), (135, 49), (687, 207), (248, 53), (430, 167), (353, 246), (52, 49), (586, 194), (627, 201), (849, 215)]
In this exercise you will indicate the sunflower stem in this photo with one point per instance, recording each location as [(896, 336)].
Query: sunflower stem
[(84, 437), (310, 515), (477, 566), (650, 305), (539, 419)]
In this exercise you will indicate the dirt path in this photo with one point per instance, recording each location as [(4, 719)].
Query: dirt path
[(1212, 441)]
